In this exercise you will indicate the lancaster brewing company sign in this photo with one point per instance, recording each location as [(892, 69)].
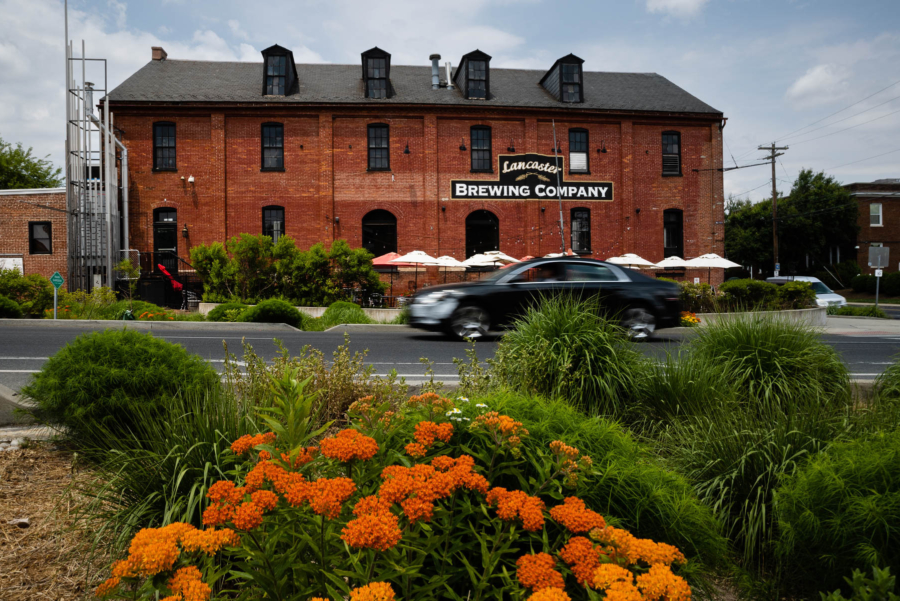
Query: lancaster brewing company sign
[(530, 177)]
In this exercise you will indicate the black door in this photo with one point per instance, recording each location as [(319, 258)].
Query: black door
[(482, 232), (379, 232), (165, 240)]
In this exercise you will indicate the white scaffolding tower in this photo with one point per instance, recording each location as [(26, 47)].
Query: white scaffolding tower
[(96, 177)]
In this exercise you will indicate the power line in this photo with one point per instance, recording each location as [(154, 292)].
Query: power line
[(846, 128), (866, 159), (766, 183), (842, 120), (729, 152)]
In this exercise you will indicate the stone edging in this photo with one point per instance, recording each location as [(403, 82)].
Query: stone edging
[(146, 325), (817, 316)]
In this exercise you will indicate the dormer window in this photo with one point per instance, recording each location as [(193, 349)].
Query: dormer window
[(279, 71), (473, 77), (565, 79), (376, 65)]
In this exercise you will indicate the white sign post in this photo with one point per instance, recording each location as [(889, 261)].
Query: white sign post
[(879, 257), (57, 281)]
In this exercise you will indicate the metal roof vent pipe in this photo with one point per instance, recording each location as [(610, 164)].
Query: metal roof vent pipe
[(449, 80), (435, 71)]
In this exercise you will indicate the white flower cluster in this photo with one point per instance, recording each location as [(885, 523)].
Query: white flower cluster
[(460, 419), (453, 411), (462, 399), (481, 406)]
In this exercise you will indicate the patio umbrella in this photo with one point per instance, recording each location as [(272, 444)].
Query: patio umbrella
[(673, 262), (385, 261), (711, 261), (416, 257), (482, 260), (630, 260), (554, 255), (446, 261), (501, 256)]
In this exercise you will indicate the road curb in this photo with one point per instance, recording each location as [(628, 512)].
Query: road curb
[(98, 324), (376, 327), (10, 402)]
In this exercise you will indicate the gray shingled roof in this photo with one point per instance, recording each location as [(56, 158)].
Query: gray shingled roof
[(208, 81)]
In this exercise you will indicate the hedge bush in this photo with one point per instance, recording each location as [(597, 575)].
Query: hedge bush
[(890, 284), (342, 312), (698, 298), (796, 295), (274, 311), (101, 376), (227, 312), (749, 294), (860, 283), (33, 293), (9, 309)]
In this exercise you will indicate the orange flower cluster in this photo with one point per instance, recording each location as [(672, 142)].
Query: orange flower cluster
[(433, 404), (228, 503), (348, 445), (375, 527), (574, 515), (568, 461), (426, 434), (372, 415), (582, 558), (304, 456), (375, 591), (512, 504), (621, 544), (187, 584), (538, 571), (248, 516), (550, 594), (658, 583), (248, 441), (155, 550), (610, 573), (502, 428), (326, 496)]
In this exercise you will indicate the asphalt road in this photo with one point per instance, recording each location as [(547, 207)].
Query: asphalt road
[(25, 347)]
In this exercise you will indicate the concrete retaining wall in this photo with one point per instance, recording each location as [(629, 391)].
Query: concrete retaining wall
[(813, 317), (376, 314)]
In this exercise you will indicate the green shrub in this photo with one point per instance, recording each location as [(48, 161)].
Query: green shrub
[(274, 311), (841, 511), (890, 284), (880, 587), (342, 312), (748, 294), (227, 312), (33, 293), (796, 295), (682, 385), (872, 284), (9, 309), (860, 283), (565, 348), (100, 378), (698, 298), (867, 311)]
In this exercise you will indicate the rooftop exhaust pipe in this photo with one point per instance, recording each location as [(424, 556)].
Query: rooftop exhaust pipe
[(435, 71), (449, 81)]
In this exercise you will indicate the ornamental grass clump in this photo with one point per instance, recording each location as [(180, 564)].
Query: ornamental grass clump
[(566, 348), (359, 517)]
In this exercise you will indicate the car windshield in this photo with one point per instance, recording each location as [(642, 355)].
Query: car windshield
[(820, 288)]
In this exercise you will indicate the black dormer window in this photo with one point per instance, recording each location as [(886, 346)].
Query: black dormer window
[(276, 69), (376, 65), (279, 71), (473, 77), (565, 79), (571, 83)]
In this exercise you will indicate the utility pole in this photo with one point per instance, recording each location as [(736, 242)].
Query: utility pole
[(774, 154)]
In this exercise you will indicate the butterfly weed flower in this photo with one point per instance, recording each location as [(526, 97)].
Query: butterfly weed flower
[(348, 445), (538, 571), (576, 517), (376, 591)]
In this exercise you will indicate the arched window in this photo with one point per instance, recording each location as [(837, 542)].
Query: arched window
[(481, 148), (273, 222), (379, 232), (673, 233), (482, 232), (581, 230)]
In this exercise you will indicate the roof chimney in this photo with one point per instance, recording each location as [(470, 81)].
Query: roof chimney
[(158, 53), (435, 71), (449, 80)]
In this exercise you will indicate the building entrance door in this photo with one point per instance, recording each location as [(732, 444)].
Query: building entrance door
[(165, 240)]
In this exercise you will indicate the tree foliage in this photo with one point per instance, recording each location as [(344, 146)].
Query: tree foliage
[(20, 169)]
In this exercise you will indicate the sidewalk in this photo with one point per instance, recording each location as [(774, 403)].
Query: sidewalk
[(862, 326)]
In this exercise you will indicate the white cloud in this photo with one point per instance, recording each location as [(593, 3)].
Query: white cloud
[(819, 85), (678, 8), (237, 30), (119, 12)]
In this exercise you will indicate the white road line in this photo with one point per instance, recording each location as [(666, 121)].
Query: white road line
[(19, 371)]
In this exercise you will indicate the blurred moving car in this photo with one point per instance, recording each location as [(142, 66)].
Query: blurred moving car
[(825, 296), (472, 309)]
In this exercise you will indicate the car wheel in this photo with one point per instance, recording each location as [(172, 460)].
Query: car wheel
[(639, 323), (469, 322)]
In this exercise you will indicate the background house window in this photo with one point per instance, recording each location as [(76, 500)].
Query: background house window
[(273, 222), (481, 148), (379, 232), (875, 214), (376, 82), (275, 75), (671, 153), (273, 147), (379, 160), (581, 230), (40, 238), (578, 151), (164, 146), (673, 233), (571, 83), (477, 79)]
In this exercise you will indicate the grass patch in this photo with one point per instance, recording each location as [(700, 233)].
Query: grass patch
[(858, 311)]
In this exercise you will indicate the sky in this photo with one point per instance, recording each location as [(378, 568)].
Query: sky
[(771, 66)]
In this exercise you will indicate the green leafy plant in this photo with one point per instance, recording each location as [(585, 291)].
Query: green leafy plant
[(796, 295), (343, 312), (9, 309), (564, 347), (747, 295), (100, 378), (274, 311), (878, 588), (227, 312), (867, 311), (32, 292), (132, 274), (698, 298)]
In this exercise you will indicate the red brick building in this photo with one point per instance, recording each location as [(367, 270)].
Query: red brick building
[(33, 231), (879, 219), (398, 158)]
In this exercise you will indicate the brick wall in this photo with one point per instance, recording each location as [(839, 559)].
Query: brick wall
[(326, 188), (20, 207), (888, 234)]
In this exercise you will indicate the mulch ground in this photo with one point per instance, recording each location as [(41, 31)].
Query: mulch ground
[(49, 560)]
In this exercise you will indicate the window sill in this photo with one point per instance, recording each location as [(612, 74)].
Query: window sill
[(879, 225), (39, 254), (673, 175), (583, 252), (275, 169), (481, 171), (165, 169), (579, 172), (378, 169)]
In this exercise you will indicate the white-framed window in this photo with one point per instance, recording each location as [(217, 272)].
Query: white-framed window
[(875, 218)]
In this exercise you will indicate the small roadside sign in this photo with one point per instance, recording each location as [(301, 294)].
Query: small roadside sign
[(777, 266), (696, 280), (776, 273), (57, 281), (877, 273), (879, 256)]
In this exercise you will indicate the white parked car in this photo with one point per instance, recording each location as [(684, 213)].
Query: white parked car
[(825, 296)]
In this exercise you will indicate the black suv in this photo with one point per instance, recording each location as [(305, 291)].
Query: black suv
[(471, 309)]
